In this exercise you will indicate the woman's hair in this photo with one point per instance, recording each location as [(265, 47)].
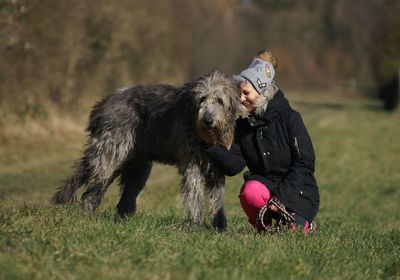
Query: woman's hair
[(268, 56)]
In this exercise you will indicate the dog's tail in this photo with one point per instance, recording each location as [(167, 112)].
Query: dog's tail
[(66, 192)]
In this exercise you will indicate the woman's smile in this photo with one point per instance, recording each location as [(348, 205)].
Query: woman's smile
[(248, 95)]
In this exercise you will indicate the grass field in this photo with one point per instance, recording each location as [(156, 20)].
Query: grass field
[(358, 171)]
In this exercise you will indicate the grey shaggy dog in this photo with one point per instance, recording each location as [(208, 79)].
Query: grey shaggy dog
[(135, 126)]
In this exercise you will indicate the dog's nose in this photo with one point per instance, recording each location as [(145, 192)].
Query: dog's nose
[(208, 119)]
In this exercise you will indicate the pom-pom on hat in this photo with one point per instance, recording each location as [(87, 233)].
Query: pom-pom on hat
[(268, 56), (260, 74)]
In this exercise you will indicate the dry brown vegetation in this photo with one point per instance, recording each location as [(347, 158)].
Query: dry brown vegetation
[(68, 53)]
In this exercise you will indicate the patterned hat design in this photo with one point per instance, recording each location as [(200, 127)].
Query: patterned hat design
[(260, 74)]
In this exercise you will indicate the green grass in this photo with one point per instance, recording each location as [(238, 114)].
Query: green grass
[(358, 170)]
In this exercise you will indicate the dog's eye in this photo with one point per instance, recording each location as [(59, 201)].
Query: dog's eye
[(220, 102), (201, 100)]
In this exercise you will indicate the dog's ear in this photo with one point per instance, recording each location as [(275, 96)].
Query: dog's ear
[(239, 109), (227, 137)]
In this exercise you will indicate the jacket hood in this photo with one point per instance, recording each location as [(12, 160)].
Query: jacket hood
[(275, 105), (267, 108)]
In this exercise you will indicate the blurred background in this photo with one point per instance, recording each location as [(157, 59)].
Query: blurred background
[(339, 66), (57, 55)]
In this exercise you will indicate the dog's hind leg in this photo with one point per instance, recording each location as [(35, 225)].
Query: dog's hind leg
[(111, 153), (94, 193), (134, 175)]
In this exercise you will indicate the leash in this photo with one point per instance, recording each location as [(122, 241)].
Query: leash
[(285, 218)]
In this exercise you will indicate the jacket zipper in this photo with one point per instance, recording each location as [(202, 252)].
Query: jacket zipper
[(296, 144)]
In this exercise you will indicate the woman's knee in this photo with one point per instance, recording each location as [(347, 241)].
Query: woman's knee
[(254, 193)]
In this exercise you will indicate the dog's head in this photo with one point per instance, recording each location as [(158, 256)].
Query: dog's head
[(217, 101)]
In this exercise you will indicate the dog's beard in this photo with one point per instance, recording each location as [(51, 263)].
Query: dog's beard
[(215, 136), (205, 135)]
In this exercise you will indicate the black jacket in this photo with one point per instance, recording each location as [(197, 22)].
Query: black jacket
[(278, 152)]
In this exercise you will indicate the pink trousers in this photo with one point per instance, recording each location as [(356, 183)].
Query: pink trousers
[(253, 196)]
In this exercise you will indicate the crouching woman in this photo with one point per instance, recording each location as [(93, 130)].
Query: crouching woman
[(280, 190)]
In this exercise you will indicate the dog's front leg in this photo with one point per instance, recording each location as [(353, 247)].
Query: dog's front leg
[(192, 188), (215, 182)]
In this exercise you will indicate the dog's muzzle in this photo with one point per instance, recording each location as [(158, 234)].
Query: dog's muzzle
[(208, 121)]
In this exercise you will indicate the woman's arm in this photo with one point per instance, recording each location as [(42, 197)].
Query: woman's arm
[(230, 161)]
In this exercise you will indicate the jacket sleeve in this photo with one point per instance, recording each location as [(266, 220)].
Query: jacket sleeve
[(303, 159), (230, 161)]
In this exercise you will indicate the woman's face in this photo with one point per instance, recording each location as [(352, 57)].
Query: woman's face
[(248, 95)]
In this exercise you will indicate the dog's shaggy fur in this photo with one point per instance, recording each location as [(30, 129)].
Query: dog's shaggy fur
[(138, 125)]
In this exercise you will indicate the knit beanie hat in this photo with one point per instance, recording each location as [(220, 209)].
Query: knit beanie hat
[(260, 74)]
